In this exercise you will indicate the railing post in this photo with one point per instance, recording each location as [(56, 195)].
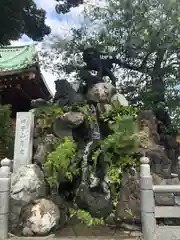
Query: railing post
[(4, 197), (148, 219), (178, 166)]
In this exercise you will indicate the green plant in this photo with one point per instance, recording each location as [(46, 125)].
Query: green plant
[(59, 163), (46, 115), (121, 146), (86, 217), (6, 132), (124, 140), (118, 111)]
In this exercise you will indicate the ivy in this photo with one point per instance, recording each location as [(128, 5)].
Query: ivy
[(58, 163)]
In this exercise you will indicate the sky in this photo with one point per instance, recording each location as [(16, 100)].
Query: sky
[(60, 25)]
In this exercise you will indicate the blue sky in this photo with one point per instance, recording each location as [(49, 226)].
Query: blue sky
[(60, 25)]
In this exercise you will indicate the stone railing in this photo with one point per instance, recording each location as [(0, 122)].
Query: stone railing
[(5, 180), (149, 212)]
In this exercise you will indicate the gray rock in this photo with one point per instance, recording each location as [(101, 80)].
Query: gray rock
[(39, 217), (128, 207), (65, 94), (93, 202), (35, 103), (101, 92), (61, 130), (45, 146), (72, 119), (104, 108), (119, 100), (27, 184)]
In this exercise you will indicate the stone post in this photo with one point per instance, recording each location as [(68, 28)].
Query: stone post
[(4, 197), (178, 166), (147, 200)]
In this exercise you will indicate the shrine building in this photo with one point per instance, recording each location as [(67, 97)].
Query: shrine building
[(21, 80)]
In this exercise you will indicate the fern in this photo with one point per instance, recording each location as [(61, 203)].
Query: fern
[(58, 163)]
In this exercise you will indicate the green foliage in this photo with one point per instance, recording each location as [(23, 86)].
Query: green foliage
[(115, 171), (117, 112), (59, 163), (120, 147), (22, 17), (6, 132), (46, 115), (125, 139), (86, 217)]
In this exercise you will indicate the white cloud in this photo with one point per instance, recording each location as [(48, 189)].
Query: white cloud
[(21, 42), (48, 5)]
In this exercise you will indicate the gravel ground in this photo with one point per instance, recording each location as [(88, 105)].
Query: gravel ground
[(81, 231)]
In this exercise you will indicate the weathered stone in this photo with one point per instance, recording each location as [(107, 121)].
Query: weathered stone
[(39, 217), (65, 94), (159, 161), (119, 100), (94, 202), (147, 123), (128, 207), (45, 146), (101, 92), (35, 103), (61, 130), (27, 184), (72, 119), (104, 108)]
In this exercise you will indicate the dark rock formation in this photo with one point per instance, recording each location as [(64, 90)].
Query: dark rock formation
[(65, 94)]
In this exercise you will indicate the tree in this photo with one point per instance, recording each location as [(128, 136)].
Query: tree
[(145, 36), (21, 17), (65, 5)]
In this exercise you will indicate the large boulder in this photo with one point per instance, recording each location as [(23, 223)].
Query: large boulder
[(61, 130), (39, 217), (101, 92), (128, 207), (27, 184), (96, 203), (72, 119)]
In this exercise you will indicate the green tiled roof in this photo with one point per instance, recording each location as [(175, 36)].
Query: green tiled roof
[(17, 58)]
